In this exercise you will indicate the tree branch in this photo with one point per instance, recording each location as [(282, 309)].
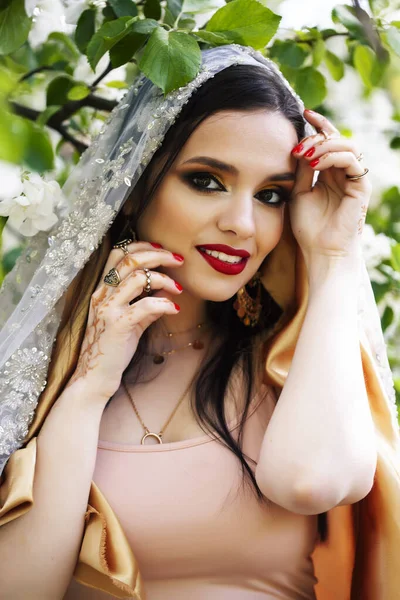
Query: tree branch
[(34, 71), (370, 31), (106, 72), (31, 114)]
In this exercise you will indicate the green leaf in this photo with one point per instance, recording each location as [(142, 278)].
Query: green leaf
[(364, 60), (14, 26), (395, 258), (170, 59), (395, 143), (346, 15), (377, 6), (78, 92), (39, 155), (152, 9), (124, 50), (318, 52), (175, 8), (57, 90), (214, 39), (10, 257), (288, 53), (387, 317), (335, 65), (245, 22), (47, 114), (14, 136), (85, 29), (123, 8), (393, 39), (311, 86), (106, 37)]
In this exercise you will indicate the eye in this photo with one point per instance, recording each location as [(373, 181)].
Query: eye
[(275, 197), (202, 181)]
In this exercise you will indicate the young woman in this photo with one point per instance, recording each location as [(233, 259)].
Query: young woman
[(169, 459)]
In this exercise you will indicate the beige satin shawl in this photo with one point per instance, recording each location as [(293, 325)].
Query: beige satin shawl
[(360, 561)]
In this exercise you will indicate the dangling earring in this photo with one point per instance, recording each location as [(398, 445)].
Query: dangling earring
[(248, 309)]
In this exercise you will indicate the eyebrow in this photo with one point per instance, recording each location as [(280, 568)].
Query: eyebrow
[(217, 164)]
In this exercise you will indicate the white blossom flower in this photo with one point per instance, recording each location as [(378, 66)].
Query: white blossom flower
[(10, 177), (33, 210), (376, 248), (74, 8), (48, 16)]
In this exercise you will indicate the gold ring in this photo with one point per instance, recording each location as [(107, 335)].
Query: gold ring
[(325, 134), (112, 278), (147, 288), (123, 245), (355, 177)]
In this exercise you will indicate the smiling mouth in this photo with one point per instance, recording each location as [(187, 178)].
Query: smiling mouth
[(226, 258)]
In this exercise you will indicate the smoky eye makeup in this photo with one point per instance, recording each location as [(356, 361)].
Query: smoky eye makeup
[(206, 182)]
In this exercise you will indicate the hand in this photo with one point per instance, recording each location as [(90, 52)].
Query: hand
[(327, 219), (115, 324)]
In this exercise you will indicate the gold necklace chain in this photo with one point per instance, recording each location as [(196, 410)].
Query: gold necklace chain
[(197, 344), (147, 432)]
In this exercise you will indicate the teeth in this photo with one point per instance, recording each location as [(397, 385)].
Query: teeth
[(222, 256)]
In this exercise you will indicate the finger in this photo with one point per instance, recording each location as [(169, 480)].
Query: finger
[(147, 310), (312, 151), (133, 286), (146, 258), (304, 178), (117, 254), (340, 160), (321, 122)]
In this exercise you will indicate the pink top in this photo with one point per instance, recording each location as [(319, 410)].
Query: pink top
[(195, 533)]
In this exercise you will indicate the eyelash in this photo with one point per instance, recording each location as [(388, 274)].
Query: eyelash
[(190, 177)]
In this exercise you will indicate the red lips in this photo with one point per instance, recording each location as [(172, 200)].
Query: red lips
[(227, 249)]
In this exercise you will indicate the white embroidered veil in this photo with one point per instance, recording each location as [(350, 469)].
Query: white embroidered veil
[(32, 296)]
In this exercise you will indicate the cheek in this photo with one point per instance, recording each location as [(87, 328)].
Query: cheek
[(269, 230), (170, 213)]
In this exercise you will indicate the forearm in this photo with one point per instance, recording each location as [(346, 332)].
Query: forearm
[(320, 439), (39, 550)]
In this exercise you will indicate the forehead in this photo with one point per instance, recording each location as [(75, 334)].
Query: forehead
[(236, 134)]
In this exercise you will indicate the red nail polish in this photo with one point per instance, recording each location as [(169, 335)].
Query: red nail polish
[(297, 149), (314, 162), (309, 152), (178, 257), (177, 306), (178, 286), (155, 245)]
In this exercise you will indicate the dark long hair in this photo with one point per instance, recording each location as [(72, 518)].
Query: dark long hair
[(238, 88)]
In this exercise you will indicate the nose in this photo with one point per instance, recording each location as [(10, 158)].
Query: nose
[(237, 216)]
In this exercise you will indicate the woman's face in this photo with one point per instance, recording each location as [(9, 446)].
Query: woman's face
[(226, 187)]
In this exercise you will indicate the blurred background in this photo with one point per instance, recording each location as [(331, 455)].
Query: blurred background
[(64, 64)]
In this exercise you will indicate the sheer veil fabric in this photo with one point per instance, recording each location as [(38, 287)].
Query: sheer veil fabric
[(359, 559)]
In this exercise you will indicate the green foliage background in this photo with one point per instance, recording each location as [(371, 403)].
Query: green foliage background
[(163, 40)]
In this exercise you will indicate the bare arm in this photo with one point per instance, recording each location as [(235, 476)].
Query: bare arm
[(39, 550), (319, 449)]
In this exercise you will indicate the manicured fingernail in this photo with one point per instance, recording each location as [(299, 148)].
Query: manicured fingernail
[(177, 306), (297, 149), (155, 245), (178, 286), (314, 162), (178, 257), (309, 152), (312, 112)]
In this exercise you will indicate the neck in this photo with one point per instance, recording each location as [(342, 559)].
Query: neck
[(182, 325)]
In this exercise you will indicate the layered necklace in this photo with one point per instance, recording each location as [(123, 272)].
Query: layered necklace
[(158, 358)]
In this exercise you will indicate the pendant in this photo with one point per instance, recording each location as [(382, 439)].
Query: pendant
[(154, 435), (198, 345), (158, 359)]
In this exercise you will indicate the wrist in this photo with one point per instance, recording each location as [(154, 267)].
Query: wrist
[(322, 270), (87, 392)]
